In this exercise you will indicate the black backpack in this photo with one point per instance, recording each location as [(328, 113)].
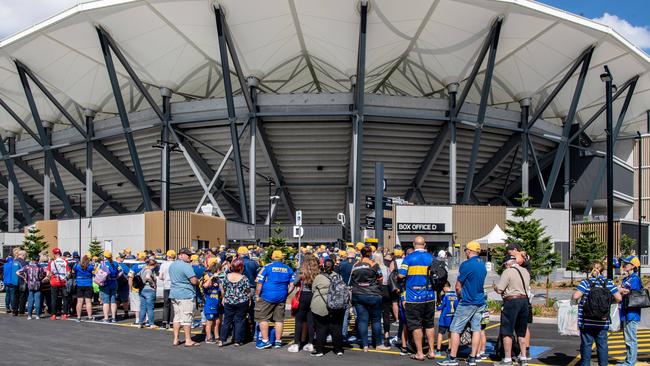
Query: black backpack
[(437, 274), (138, 283), (598, 301)]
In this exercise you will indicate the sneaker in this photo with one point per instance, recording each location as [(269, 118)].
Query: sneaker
[(503, 363), (294, 348), (381, 347), (112, 320), (105, 321), (448, 361), (352, 339), (78, 319), (89, 319), (471, 361), (278, 344), (339, 353), (404, 351), (308, 347), (523, 362), (237, 344), (482, 356), (29, 317), (210, 341), (36, 317), (64, 317), (264, 345), (53, 317), (439, 354), (316, 354), (393, 341)]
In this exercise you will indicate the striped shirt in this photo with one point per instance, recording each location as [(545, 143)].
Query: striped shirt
[(585, 288), (416, 269)]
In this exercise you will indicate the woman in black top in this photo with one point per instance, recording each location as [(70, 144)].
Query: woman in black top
[(365, 280)]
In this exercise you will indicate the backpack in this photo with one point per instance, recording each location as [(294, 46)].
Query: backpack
[(138, 283), (598, 302), (437, 274), (338, 296)]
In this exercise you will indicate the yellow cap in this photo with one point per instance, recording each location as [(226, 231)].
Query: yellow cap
[(349, 244), (194, 257), (171, 253), (127, 250), (360, 246), (251, 247), (108, 254), (372, 247), (95, 258), (473, 246), (212, 261), (242, 250), (142, 255), (633, 260), (372, 240), (342, 253), (398, 252), (277, 255)]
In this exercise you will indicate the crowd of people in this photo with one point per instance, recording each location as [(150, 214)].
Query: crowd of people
[(242, 298)]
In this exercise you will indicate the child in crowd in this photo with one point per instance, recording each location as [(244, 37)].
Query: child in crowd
[(212, 293), (448, 308)]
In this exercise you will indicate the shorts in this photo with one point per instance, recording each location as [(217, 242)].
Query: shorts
[(183, 311), (443, 330), (394, 297), (108, 294), (514, 318), (420, 315), (134, 301), (84, 292), (211, 316), (123, 294), (267, 311), (467, 314)]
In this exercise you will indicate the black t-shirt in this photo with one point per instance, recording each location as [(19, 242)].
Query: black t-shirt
[(365, 278)]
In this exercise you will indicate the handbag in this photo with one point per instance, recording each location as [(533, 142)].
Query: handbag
[(638, 299), (295, 302)]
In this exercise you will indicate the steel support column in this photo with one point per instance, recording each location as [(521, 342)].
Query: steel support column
[(357, 138), (480, 118), (90, 133), (453, 160), (525, 180), (568, 121), (379, 207), (225, 70), (124, 118), (11, 198), (165, 163), (252, 163), (597, 183)]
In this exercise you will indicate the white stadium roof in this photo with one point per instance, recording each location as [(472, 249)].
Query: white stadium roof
[(308, 50)]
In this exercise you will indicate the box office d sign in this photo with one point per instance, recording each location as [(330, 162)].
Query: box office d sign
[(420, 227)]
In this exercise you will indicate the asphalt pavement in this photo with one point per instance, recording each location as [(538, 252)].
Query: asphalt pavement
[(46, 342)]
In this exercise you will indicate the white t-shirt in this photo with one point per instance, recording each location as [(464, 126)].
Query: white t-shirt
[(164, 275)]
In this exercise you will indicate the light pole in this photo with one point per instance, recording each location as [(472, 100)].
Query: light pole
[(78, 195), (606, 77), (640, 213), (271, 184)]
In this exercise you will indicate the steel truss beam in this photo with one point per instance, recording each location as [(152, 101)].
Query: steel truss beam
[(45, 139), (603, 165), (499, 157), (225, 71), (124, 118), (65, 163), (563, 146), (485, 93), (9, 164)]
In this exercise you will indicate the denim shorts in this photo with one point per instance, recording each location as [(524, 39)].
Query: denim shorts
[(108, 294), (467, 314)]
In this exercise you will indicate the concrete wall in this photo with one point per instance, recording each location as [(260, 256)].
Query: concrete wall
[(11, 239), (126, 231), (556, 222)]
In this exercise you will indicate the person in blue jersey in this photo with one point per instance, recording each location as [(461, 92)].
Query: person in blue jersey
[(84, 274), (447, 309), (212, 295), (108, 292), (630, 317), (469, 286), (420, 304), (274, 283), (123, 289), (134, 293), (594, 330)]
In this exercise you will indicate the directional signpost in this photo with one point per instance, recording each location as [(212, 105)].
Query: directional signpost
[(298, 232), (386, 203), (370, 223)]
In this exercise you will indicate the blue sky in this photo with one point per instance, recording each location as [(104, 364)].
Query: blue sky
[(631, 18)]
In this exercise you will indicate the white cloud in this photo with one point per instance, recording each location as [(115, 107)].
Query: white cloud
[(17, 15), (640, 36)]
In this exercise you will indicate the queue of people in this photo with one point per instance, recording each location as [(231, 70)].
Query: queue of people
[(242, 300)]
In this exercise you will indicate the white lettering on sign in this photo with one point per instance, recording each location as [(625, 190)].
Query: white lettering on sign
[(419, 227)]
